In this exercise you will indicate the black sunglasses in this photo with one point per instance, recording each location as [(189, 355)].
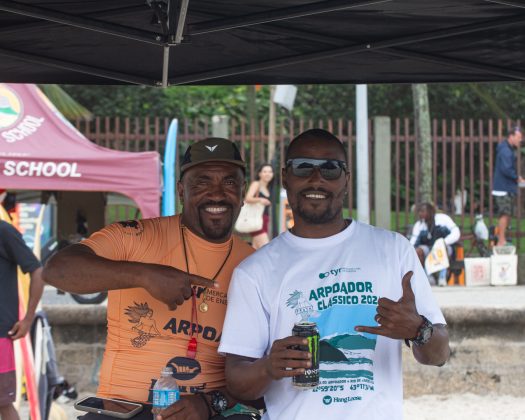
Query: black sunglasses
[(330, 169)]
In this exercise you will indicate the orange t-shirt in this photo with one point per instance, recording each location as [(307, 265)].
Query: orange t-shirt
[(143, 335)]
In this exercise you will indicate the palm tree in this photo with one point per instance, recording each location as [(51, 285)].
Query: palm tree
[(70, 108)]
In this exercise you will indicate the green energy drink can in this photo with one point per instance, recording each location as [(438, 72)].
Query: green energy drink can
[(310, 378)]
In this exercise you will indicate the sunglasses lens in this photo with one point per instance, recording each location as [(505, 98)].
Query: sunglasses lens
[(303, 169), (331, 170)]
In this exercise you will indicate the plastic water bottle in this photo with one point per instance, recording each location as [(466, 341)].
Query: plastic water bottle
[(165, 391)]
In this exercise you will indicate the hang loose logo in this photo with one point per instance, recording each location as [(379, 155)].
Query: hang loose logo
[(211, 148)]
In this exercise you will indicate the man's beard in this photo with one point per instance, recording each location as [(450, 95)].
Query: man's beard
[(329, 214), (216, 231)]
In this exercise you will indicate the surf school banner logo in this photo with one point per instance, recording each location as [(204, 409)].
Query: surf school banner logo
[(11, 108), (14, 125)]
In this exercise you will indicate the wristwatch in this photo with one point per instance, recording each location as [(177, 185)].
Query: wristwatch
[(219, 403), (424, 333)]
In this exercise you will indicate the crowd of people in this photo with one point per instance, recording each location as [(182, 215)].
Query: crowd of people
[(185, 292)]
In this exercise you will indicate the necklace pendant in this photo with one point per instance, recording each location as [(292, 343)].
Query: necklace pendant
[(203, 307)]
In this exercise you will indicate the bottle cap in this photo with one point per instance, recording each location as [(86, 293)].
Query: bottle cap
[(167, 370)]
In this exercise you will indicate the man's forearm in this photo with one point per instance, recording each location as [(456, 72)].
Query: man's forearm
[(437, 351), (247, 379), (78, 269), (36, 288)]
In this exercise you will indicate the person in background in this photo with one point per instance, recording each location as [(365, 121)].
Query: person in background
[(363, 287), (14, 253), (430, 227), (505, 181), (259, 192)]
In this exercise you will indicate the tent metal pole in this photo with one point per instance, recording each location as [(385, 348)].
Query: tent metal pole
[(275, 15), (80, 68), (348, 50), (284, 30), (48, 24), (498, 71), (165, 66), (82, 22), (181, 23), (508, 3)]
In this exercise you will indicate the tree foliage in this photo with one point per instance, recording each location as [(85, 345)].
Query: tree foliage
[(315, 102)]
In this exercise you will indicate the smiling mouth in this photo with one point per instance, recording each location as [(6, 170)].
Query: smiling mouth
[(316, 196), (215, 209)]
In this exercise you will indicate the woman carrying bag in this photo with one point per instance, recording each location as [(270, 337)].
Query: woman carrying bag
[(259, 193)]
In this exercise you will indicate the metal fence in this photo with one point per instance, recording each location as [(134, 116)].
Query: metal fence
[(463, 156)]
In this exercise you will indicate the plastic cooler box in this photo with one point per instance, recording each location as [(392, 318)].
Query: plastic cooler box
[(477, 271), (504, 266)]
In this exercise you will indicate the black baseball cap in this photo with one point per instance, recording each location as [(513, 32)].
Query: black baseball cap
[(212, 149)]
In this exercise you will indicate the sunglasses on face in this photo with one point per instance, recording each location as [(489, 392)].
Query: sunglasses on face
[(330, 169)]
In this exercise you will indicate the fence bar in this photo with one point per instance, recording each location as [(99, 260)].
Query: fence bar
[(491, 168), (481, 141), (462, 169), (471, 167), (434, 141), (453, 140), (397, 158), (407, 170), (444, 199)]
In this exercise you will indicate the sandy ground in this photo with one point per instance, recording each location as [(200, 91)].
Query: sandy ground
[(465, 407), (428, 407)]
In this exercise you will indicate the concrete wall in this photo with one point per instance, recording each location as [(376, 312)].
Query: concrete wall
[(488, 348), (521, 269)]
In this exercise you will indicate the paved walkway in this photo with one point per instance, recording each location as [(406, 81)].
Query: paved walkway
[(428, 407)]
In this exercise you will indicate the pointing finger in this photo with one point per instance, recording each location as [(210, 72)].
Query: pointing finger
[(371, 330), (408, 293), (201, 281)]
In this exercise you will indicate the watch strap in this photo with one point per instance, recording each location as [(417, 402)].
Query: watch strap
[(203, 396), (419, 339)]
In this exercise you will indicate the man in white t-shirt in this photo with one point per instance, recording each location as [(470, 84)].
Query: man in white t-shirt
[(430, 227), (364, 288)]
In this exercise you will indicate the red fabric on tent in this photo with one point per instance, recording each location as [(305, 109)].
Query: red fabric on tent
[(41, 150)]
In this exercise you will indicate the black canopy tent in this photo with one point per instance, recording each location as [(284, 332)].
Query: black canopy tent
[(170, 42)]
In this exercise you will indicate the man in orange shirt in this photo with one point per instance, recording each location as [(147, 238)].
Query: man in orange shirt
[(168, 279)]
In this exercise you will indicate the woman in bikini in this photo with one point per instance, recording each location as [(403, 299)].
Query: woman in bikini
[(259, 192)]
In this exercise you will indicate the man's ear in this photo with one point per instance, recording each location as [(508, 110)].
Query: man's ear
[(180, 192), (283, 178), (244, 191)]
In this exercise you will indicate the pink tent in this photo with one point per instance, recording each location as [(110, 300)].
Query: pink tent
[(41, 150)]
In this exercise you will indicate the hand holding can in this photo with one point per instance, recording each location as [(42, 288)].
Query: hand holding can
[(284, 361), (310, 377)]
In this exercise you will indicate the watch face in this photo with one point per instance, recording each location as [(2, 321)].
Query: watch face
[(219, 402), (427, 334)]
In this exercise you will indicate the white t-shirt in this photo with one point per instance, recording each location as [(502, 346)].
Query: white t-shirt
[(334, 282), (440, 219)]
